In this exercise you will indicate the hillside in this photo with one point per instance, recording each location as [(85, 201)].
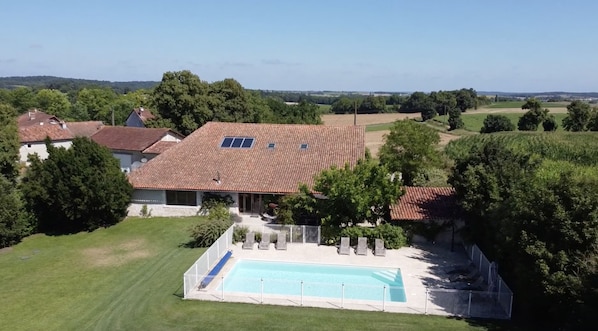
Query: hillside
[(66, 84)]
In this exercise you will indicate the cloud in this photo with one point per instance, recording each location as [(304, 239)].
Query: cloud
[(277, 62), (8, 61), (36, 46), (237, 64)]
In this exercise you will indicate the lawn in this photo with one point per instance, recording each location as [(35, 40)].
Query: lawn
[(474, 122), (129, 277)]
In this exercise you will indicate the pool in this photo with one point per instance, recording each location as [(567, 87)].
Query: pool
[(315, 280)]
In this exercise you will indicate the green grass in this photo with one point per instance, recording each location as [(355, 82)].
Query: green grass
[(129, 277), (378, 127), (474, 122), (518, 104), (324, 109)]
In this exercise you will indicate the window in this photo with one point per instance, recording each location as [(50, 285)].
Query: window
[(237, 142), (181, 198), (271, 145), (303, 147)]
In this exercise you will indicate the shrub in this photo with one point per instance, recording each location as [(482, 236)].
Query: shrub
[(144, 212), (206, 233), (239, 233), (211, 200), (393, 236), (354, 232), (497, 123)]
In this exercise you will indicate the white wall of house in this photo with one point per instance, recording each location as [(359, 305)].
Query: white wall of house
[(40, 149), (156, 204), (170, 137)]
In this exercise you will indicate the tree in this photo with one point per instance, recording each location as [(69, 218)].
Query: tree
[(9, 143), (466, 99), (533, 117), (455, 122), (54, 103), (95, 104), (182, 97), (22, 99), (578, 116), (345, 105), (14, 219), (355, 195), (444, 101), (419, 102), (497, 123), (372, 104), (76, 189), (550, 123), (409, 148)]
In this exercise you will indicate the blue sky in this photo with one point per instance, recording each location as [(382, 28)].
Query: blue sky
[(507, 45)]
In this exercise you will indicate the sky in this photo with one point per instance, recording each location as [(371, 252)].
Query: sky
[(383, 45)]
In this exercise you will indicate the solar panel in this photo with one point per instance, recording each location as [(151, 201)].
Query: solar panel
[(237, 143), (247, 143), (226, 142)]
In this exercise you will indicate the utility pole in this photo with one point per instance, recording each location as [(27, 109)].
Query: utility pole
[(355, 113)]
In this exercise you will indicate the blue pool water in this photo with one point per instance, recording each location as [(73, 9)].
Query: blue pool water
[(319, 280)]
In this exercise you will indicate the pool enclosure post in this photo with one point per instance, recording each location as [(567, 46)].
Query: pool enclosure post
[(301, 293), (511, 306), (469, 305), (319, 236), (426, 303), (342, 294), (222, 284), (262, 290), (383, 296), (303, 233), (291, 234)]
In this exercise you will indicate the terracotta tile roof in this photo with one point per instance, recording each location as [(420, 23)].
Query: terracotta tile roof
[(159, 147), (128, 138), (196, 162), (144, 114), (34, 117), (425, 203), (84, 129), (38, 133)]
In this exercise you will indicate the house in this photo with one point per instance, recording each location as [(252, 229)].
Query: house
[(248, 161), (138, 117), (34, 126), (428, 206), (134, 146)]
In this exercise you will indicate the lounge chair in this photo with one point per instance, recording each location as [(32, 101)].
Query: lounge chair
[(379, 249), (344, 248), (471, 276), (281, 241), (362, 246), (265, 243), (249, 240)]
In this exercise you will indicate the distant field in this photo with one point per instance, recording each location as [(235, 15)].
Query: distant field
[(518, 104), (474, 122), (325, 109), (365, 119)]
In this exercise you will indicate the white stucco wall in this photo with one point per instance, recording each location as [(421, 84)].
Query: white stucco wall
[(40, 149), (156, 204), (170, 137)]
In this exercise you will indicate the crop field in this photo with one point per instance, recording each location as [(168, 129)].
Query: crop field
[(475, 121), (129, 277), (580, 148)]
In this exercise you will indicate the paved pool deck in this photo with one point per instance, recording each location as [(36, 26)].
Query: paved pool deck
[(422, 267)]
